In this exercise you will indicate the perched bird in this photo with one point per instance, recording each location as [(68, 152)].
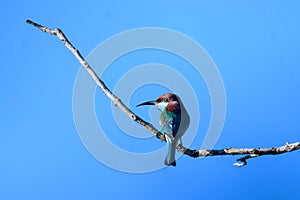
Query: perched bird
[(174, 121)]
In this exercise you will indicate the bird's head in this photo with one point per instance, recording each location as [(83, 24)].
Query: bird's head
[(161, 102)]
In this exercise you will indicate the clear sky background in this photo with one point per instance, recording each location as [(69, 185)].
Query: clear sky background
[(255, 45)]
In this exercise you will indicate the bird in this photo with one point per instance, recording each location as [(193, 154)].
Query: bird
[(174, 121)]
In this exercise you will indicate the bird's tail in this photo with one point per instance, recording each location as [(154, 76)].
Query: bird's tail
[(170, 158)]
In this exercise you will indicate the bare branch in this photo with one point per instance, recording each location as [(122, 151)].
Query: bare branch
[(99, 82), (249, 152)]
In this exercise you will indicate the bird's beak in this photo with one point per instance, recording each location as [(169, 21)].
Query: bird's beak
[(146, 103)]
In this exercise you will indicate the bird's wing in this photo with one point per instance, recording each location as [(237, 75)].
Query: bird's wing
[(170, 122)]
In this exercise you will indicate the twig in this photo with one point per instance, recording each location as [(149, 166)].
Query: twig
[(249, 152)]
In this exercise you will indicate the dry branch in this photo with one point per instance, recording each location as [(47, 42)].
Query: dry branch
[(249, 152)]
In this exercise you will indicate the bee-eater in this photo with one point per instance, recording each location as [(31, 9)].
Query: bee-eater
[(174, 121)]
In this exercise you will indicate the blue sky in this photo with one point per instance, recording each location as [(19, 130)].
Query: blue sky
[(255, 45)]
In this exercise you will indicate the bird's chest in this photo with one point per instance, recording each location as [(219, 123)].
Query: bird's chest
[(168, 121)]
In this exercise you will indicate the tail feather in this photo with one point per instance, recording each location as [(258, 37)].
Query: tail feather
[(170, 157)]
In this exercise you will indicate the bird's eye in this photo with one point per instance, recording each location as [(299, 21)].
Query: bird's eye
[(166, 99)]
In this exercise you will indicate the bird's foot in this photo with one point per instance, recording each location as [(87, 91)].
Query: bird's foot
[(180, 145), (169, 137)]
